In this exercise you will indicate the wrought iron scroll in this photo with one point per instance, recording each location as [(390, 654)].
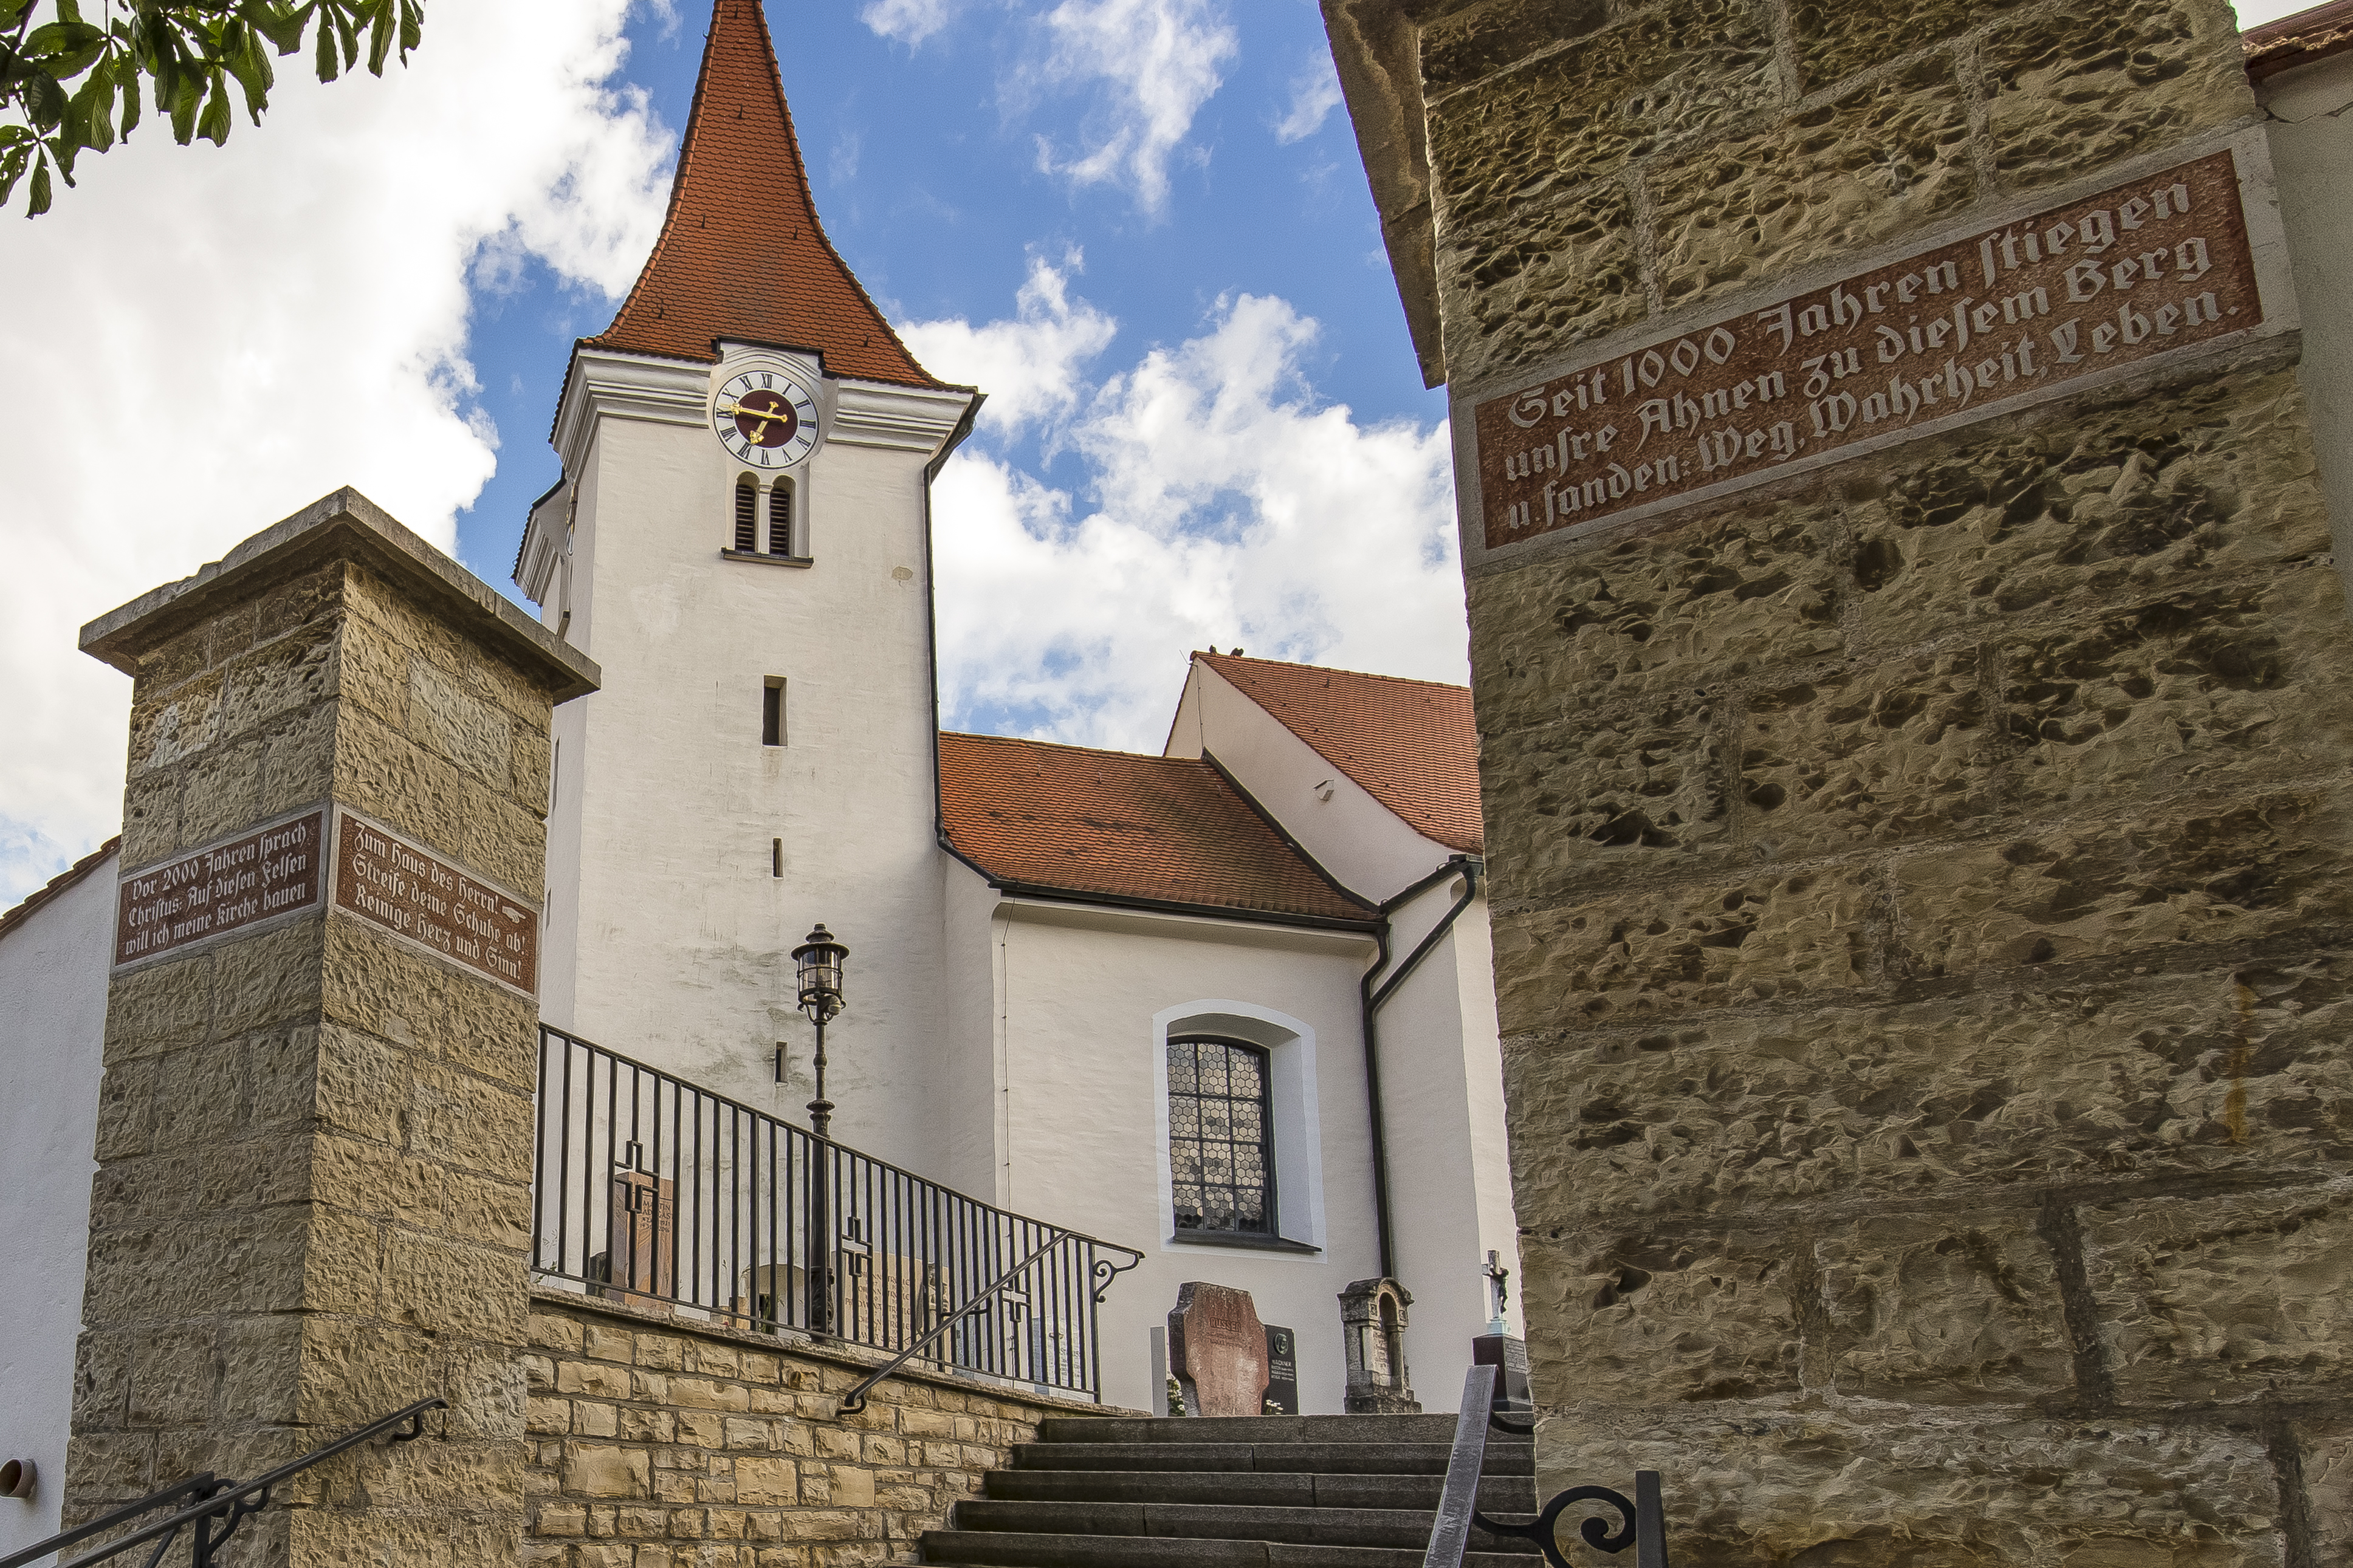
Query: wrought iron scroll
[(1641, 1522)]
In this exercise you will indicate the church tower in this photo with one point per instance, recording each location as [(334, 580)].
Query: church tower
[(741, 541)]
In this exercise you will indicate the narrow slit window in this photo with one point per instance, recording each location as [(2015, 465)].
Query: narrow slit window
[(747, 517), (1220, 1137), (776, 858), (780, 518), (771, 712)]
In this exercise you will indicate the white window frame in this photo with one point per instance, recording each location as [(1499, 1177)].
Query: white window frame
[(1289, 1046)]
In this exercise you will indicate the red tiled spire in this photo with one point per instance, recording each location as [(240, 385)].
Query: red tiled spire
[(742, 254)]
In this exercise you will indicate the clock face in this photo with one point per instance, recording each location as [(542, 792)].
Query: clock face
[(764, 419)]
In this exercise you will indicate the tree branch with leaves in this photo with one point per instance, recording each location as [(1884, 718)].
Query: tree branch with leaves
[(71, 85)]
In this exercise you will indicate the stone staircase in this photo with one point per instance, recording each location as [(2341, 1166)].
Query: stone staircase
[(1272, 1491)]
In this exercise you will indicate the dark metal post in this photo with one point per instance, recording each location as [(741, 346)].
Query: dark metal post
[(820, 1109)]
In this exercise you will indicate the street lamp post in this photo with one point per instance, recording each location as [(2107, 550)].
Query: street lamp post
[(819, 963)]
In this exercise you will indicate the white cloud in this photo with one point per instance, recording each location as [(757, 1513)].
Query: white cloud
[(1229, 507), (1158, 60), (204, 341), (1314, 94), (908, 21), (1029, 365)]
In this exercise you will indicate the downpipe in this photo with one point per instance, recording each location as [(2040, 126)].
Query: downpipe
[(1369, 1000)]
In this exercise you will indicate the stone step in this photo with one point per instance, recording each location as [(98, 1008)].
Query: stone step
[(1009, 1549), (1439, 1429), (1504, 1457), (1403, 1528), (1498, 1494)]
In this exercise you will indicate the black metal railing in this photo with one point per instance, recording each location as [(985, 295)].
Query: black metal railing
[(213, 1507), (649, 1190)]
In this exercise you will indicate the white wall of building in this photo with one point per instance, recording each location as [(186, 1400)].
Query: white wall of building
[(1367, 848), (670, 807), (2312, 154), (1088, 996), (53, 977)]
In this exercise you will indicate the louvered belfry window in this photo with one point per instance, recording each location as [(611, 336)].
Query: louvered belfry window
[(1220, 1137), (747, 517), (780, 519)]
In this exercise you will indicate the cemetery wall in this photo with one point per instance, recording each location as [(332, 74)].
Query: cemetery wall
[(1920, 914), (662, 1444)]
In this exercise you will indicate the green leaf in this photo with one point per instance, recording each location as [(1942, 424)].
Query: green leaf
[(380, 36), (69, 11), (281, 25), (215, 125), (130, 103), (44, 99), (38, 202), (249, 64), (10, 10), (65, 49), (184, 106), (412, 27), (351, 38), (85, 123), (329, 68)]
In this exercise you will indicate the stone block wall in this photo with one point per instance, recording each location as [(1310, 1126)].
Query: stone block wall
[(1922, 890), (658, 1443), (312, 1201)]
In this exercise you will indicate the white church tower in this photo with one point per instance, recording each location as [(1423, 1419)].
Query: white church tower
[(740, 539)]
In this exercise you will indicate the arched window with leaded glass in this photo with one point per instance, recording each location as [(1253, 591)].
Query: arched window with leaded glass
[(1220, 1137)]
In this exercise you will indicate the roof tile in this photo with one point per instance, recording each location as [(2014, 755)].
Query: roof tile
[(1412, 744), (1115, 823)]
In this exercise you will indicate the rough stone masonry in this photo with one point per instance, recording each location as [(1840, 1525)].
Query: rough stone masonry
[(313, 1200), (1923, 931)]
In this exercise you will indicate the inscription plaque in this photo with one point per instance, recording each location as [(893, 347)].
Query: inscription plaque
[(2010, 314), (222, 888), (416, 895)]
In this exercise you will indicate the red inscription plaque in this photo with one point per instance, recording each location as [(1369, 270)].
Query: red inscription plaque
[(2141, 270), (416, 895), (220, 888)]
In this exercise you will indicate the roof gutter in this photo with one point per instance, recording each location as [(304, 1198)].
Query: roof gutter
[(932, 614), (1233, 913), (1468, 867)]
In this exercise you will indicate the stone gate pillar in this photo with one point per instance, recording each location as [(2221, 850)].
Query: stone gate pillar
[(315, 1138), (1914, 696)]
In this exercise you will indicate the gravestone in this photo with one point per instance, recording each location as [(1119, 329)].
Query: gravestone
[(1281, 1372), (1508, 1354), (1216, 1351), (1372, 1336)]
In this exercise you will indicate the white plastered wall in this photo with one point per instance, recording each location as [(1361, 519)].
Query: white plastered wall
[(2312, 156), (669, 806), (1087, 997), (52, 978)]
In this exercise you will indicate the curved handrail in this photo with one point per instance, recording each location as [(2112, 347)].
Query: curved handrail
[(218, 1497), (855, 1400)]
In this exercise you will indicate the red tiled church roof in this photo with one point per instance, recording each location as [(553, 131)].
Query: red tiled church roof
[(742, 254), (1412, 744), (1115, 823)]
